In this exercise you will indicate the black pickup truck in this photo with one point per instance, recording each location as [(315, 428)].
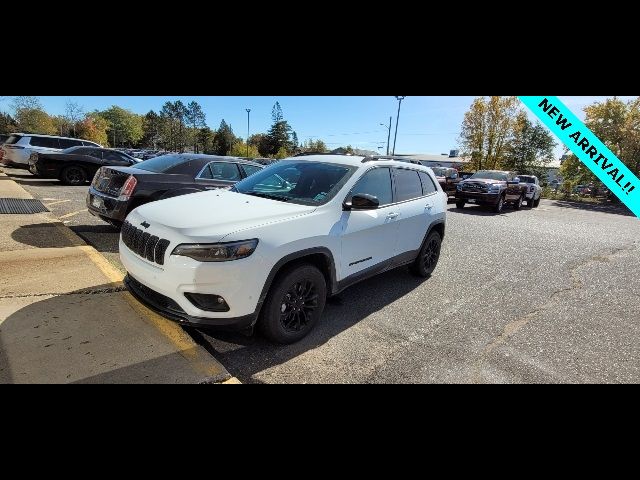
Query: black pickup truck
[(491, 187)]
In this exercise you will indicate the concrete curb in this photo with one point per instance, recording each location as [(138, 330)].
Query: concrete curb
[(200, 360)]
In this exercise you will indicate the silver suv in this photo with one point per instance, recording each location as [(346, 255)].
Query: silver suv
[(19, 146)]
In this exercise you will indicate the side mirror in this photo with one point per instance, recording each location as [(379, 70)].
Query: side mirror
[(362, 201)]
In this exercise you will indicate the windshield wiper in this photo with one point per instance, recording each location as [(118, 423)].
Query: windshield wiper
[(266, 195)]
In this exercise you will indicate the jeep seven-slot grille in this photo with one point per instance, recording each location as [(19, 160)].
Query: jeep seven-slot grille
[(142, 243)]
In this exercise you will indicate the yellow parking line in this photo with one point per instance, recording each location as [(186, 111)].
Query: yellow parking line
[(55, 203), (171, 330), (72, 214)]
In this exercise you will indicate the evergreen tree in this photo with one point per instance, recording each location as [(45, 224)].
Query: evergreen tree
[(224, 139)]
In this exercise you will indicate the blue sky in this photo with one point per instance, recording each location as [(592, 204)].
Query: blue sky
[(427, 124)]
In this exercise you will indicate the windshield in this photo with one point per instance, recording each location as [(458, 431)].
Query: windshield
[(303, 182), (439, 171), (487, 175), (161, 164)]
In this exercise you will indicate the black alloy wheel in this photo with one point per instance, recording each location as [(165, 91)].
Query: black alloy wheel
[(294, 304), (298, 306), (428, 257), (74, 176)]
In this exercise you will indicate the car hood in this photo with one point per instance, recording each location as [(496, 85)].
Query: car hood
[(210, 216)]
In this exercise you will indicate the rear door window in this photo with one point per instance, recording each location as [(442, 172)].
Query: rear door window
[(408, 185), (45, 142)]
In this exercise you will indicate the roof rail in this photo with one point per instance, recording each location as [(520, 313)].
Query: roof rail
[(305, 154), (376, 158)]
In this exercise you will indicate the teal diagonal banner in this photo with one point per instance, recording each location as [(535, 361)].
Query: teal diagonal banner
[(588, 148)]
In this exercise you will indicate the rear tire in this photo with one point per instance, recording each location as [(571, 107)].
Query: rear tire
[(499, 206), (294, 304), (460, 203), (428, 257), (73, 176)]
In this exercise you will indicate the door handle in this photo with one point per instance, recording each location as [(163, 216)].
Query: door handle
[(393, 215), (429, 207)]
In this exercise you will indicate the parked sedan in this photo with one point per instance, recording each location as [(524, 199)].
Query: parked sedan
[(116, 191), (77, 165)]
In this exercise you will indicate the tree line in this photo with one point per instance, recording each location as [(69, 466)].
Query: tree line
[(176, 127), (497, 134)]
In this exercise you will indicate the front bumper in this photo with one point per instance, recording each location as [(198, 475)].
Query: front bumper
[(104, 206), (170, 309), (239, 282), (479, 198)]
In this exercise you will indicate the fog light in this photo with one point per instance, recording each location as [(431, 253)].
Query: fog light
[(208, 303)]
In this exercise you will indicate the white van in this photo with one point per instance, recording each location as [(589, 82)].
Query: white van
[(15, 152)]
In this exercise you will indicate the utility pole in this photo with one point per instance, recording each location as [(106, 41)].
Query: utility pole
[(395, 137), (248, 130), (389, 133)]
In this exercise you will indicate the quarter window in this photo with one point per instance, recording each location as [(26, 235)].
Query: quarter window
[(408, 185), (428, 186), (376, 182)]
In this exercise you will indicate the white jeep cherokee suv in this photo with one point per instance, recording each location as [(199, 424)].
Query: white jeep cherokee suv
[(271, 249)]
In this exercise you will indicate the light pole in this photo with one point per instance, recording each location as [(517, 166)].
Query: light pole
[(395, 137), (389, 134), (248, 113)]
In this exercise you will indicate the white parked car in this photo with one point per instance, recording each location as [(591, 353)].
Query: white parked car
[(271, 249), (534, 190), (15, 152)]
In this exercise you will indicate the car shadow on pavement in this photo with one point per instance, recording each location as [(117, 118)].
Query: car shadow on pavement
[(482, 211), (618, 209), (42, 235), (103, 238), (245, 356), (24, 177), (84, 337)]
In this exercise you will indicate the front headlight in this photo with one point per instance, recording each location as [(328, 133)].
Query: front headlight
[(494, 188), (217, 252)]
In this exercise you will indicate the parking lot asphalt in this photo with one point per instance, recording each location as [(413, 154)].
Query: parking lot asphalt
[(539, 295)]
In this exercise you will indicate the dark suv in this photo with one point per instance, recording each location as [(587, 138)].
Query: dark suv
[(491, 187)]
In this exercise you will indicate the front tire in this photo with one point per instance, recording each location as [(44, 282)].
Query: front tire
[(518, 204), (499, 206), (73, 176), (294, 305), (460, 203), (428, 257), (536, 203)]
